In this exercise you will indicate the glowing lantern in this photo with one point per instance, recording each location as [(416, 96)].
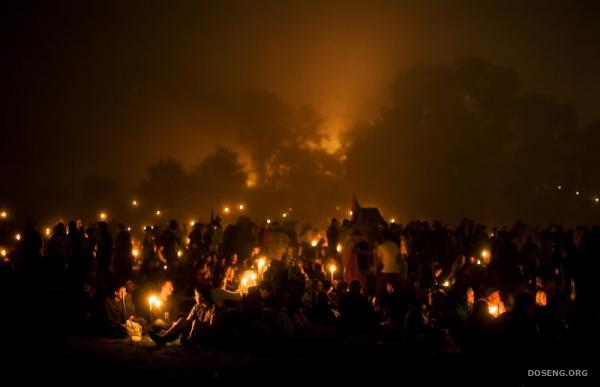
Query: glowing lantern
[(157, 212), (103, 216), (338, 248), (192, 223), (47, 231), (3, 252), (268, 221), (284, 214), (18, 237), (241, 207), (446, 284), (135, 252), (165, 267), (179, 253), (3, 215), (314, 243), (493, 310), (134, 203), (393, 220)]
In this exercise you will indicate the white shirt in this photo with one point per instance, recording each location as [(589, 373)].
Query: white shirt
[(389, 256)]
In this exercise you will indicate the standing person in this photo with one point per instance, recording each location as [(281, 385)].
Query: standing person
[(357, 261), (216, 237), (196, 243), (104, 249), (104, 252), (149, 260), (170, 242), (351, 269), (333, 239), (389, 263), (123, 255), (89, 251), (59, 251), (29, 247)]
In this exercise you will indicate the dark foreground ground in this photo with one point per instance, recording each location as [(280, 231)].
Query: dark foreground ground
[(323, 360), (38, 347)]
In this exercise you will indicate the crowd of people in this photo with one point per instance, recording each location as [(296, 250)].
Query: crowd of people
[(429, 287)]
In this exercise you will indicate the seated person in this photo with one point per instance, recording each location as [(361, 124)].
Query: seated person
[(200, 324), (355, 310), (162, 312), (260, 309), (119, 312), (221, 295)]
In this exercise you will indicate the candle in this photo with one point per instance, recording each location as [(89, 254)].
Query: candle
[(151, 301), (332, 269), (261, 264)]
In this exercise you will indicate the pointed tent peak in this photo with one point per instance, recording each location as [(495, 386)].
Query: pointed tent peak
[(368, 217), (355, 204)]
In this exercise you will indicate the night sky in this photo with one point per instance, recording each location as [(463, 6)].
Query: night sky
[(437, 110)]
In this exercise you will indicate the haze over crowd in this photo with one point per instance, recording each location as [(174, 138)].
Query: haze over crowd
[(426, 111)]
